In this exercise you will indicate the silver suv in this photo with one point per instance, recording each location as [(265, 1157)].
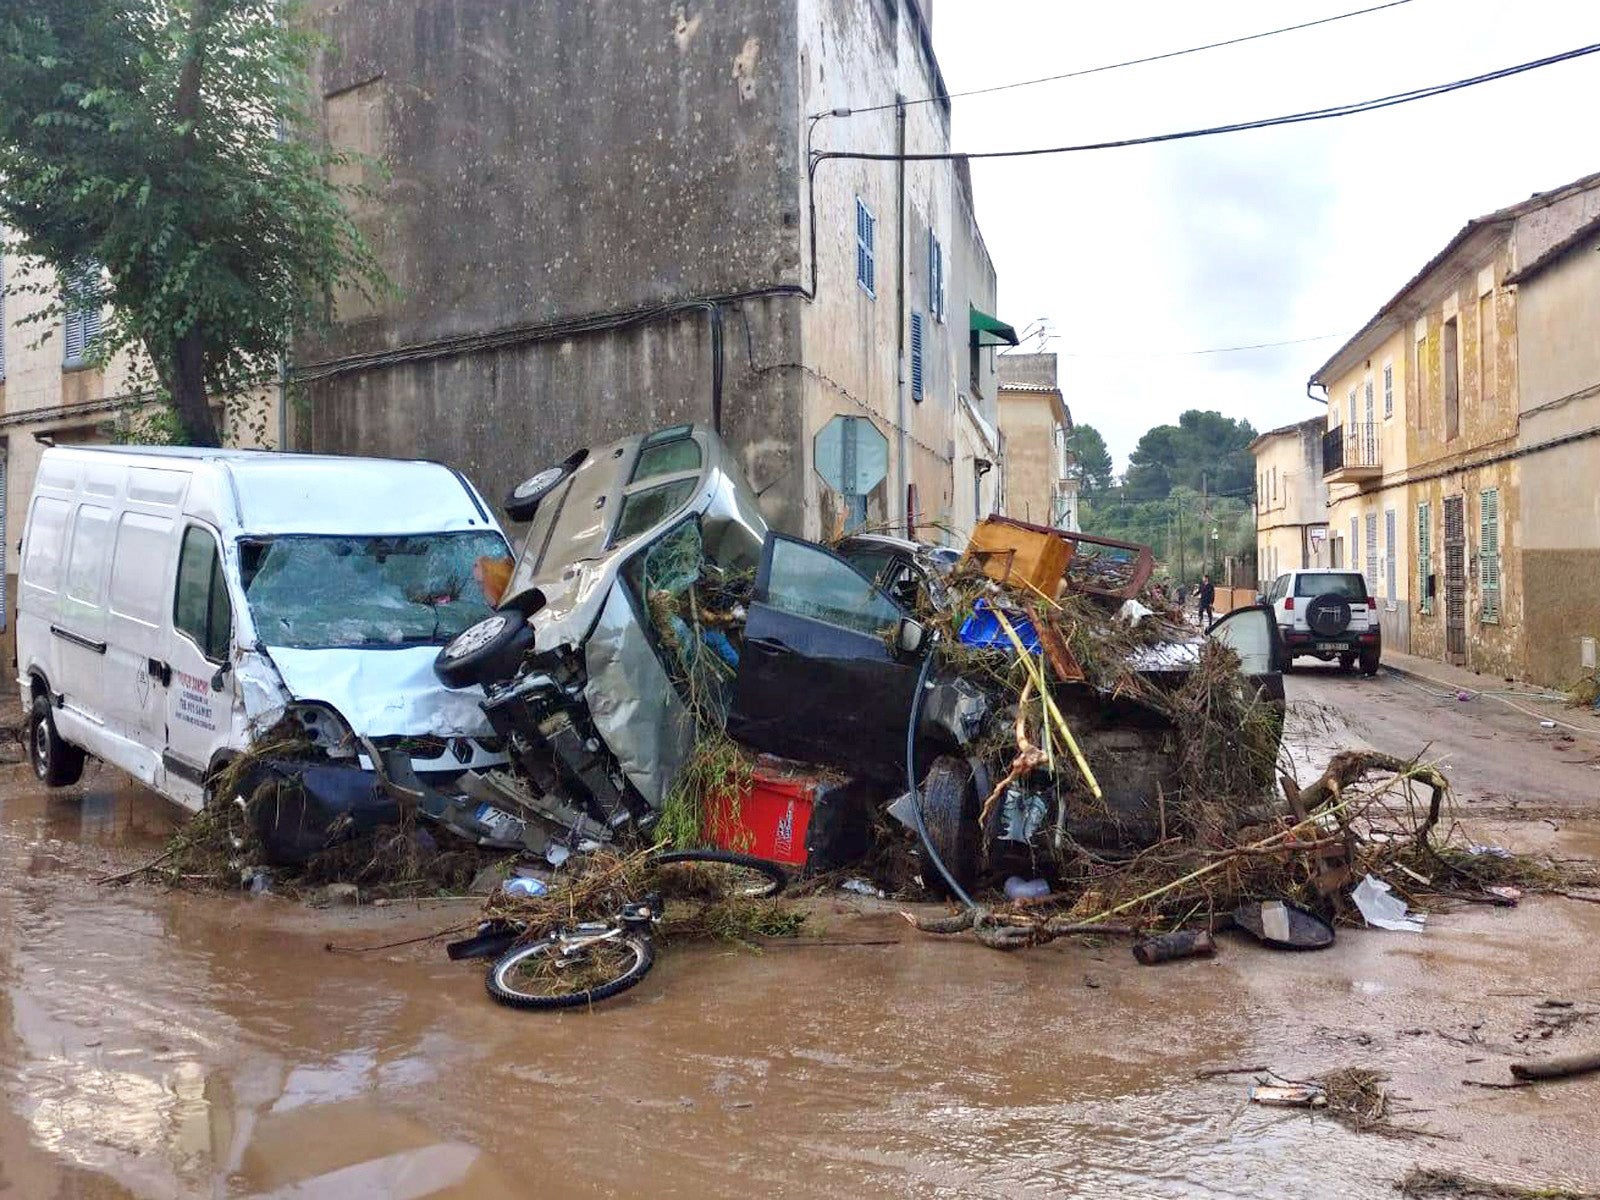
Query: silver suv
[(1327, 614)]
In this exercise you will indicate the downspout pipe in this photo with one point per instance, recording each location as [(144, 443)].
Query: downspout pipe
[(902, 438)]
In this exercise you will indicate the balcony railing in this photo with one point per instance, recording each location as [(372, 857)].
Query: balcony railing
[(1352, 451)]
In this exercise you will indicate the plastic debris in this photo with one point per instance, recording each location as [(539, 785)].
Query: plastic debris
[(1463, 696), (1481, 848), (1133, 612), (524, 885), (1382, 909), (982, 630), (1509, 894), (1018, 888), (1297, 1095), (1547, 724), (861, 888)]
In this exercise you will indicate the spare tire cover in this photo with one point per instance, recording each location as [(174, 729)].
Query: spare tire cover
[(1328, 615)]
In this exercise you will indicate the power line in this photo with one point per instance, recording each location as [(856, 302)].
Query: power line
[(1318, 114), (1132, 62), (1321, 337)]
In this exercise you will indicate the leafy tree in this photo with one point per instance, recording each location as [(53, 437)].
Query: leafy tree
[(168, 142), (1093, 457), (1202, 448)]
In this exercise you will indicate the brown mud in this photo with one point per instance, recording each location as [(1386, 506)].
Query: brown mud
[(172, 1044)]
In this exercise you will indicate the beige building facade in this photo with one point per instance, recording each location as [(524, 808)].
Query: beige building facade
[(55, 391), (1434, 437), (1291, 500), (1041, 480)]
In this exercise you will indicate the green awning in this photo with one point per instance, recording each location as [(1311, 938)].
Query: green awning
[(990, 331)]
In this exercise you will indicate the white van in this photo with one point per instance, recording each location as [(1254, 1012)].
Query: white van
[(173, 604)]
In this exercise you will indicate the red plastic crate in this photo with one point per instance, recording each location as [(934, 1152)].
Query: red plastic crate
[(770, 820)]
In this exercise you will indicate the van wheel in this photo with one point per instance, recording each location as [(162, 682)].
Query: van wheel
[(55, 762), (523, 500)]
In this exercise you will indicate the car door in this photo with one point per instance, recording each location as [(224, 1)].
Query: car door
[(201, 688), (820, 677)]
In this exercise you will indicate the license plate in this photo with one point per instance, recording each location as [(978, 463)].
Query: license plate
[(1331, 646)]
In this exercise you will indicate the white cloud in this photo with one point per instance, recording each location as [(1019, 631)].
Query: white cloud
[(1251, 237)]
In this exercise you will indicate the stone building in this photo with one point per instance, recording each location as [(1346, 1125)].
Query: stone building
[(1431, 443), (1041, 478), (1291, 500), (605, 217)]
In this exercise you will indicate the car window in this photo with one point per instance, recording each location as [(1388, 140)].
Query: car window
[(91, 537), (668, 458), (868, 559), (1347, 584), (201, 608), (650, 507), (1280, 587), (807, 581)]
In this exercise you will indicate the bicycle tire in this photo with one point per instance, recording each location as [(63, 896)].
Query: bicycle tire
[(778, 878), (495, 981)]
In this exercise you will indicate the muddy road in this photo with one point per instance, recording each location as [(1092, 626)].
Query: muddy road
[(173, 1045)]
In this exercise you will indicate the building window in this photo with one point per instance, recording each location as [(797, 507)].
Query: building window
[(80, 322), (1350, 416), (1391, 562), (1452, 381), (866, 237), (1489, 554), (1388, 390), (1372, 554), (916, 357), (935, 278), (1424, 558)]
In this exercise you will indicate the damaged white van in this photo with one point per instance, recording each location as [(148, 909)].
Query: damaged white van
[(175, 604)]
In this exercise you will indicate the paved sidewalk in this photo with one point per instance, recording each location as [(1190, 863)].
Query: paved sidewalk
[(1540, 703)]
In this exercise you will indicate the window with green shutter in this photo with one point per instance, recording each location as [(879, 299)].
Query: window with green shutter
[(1489, 554), (1424, 556), (916, 357)]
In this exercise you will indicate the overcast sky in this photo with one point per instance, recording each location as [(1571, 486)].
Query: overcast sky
[(1265, 236)]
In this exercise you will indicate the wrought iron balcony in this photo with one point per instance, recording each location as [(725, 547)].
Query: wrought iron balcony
[(1352, 453)]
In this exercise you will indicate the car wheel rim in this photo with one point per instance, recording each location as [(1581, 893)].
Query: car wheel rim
[(41, 748), (538, 483), (469, 641)]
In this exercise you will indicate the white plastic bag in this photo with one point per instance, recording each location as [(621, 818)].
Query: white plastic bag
[(1383, 909)]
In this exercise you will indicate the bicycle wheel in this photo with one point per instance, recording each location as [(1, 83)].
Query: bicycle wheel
[(571, 968), (717, 875)]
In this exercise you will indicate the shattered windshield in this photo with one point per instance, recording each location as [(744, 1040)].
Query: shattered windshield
[(308, 592)]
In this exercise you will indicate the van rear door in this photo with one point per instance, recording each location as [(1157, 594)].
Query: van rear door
[(199, 641)]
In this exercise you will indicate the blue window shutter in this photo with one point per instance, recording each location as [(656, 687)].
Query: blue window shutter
[(916, 356), (866, 267)]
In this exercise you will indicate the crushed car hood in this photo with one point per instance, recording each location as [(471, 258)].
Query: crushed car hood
[(383, 693)]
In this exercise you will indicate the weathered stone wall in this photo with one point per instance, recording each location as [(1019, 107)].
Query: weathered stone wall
[(548, 162)]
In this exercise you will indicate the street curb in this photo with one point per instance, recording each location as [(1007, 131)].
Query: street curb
[(1453, 688)]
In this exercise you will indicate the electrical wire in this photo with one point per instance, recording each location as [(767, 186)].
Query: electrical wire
[(1132, 62), (1317, 114), (1321, 337)]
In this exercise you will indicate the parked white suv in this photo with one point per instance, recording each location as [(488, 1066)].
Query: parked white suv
[(1326, 614)]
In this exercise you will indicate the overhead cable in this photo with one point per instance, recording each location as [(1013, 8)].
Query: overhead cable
[(1318, 114), (1131, 62)]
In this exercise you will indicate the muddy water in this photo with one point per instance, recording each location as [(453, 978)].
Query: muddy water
[(173, 1045)]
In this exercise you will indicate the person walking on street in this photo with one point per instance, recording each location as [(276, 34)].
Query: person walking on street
[(1208, 597)]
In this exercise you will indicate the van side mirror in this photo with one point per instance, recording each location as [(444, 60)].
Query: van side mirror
[(220, 678), (910, 637)]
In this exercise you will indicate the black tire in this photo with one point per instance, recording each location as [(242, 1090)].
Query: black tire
[(486, 652), (501, 982), (1369, 661), (1347, 662), (522, 501), (56, 762), (1328, 615), (950, 813), (776, 877)]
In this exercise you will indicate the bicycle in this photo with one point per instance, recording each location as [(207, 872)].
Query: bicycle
[(580, 963)]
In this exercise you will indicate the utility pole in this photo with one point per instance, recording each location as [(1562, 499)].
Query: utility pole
[(1183, 575)]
